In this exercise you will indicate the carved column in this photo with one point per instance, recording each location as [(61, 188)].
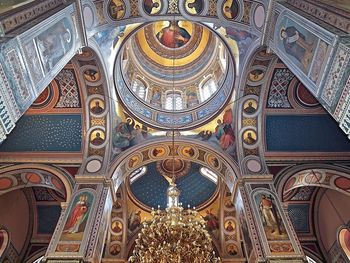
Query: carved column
[(81, 230), (266, 229)]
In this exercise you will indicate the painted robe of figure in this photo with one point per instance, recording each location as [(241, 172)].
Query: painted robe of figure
[(173, 36), (77, 216)]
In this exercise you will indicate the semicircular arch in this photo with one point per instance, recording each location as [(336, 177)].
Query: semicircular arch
[(319, 175), (197, 152), (36, 175)]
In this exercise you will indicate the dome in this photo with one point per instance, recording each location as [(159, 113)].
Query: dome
[(174, 74)]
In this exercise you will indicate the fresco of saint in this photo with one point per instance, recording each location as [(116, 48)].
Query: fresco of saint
[(173, 36)]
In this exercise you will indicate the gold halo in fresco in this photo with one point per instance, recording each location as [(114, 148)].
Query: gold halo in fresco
[(188, 152), (213, 161), (117, 227), (250, 106), (230, 225), (97, 137), (116, 9), (256, 75), (158, 152), (152, 7), (232, 249), (134, 161), (230, 9), (92, 75), (97, 106), (159, 40), (249, 137), (194, 7)]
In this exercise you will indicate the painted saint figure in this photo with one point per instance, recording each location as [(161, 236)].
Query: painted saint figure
[(134, 220), (269, 214), (231, 11), (98, 140), (173, 36), (117, 9), (194, 6), (77, 215), (97, 109), (150, 5), (296, 45)]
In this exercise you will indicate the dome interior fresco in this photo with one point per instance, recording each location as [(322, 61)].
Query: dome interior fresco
[(244, 104), (147, 185), (175, 67)]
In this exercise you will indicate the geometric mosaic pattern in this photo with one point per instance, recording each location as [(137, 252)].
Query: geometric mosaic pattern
[(69, 91), (278, 94)]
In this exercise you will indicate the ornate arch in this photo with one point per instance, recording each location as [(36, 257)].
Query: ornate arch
[(194, 151), (24, 175), (320, 175)]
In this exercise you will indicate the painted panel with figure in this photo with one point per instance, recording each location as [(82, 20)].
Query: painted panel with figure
[(78, 215), (270, 217), (296, 42), (54, 43)]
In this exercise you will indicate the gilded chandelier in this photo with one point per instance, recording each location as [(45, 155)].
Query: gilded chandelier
[(175, 235)]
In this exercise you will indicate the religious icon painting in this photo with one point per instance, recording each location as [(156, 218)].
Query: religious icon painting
[(250, 106), (97, 106), (97, 137), (152, 7), (213, 161), (78, 214), (158, 152), (165, 33), (92, 75), (194, 7), (270, 217), (298, 43), (230, 9), (256, 75), (188, 151), (116, 9), (230, 226), (117, 227), (134, 161), (232, 249), (114, 249), (249, 137)]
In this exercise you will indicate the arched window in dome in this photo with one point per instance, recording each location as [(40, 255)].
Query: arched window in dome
[(310, 260), (139, 88), (209, 174), (39, 260), (173, 101), (135, 175), (208, 89)]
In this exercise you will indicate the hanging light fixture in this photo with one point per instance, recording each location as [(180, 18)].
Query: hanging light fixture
[(176, 235)]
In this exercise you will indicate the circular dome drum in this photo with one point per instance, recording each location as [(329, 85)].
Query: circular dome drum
[(174, 75)]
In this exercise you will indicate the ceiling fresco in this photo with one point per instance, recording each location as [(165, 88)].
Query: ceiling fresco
[(54, 122), (150, 188), (177, 85)]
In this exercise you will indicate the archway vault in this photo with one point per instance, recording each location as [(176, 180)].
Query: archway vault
[(28, 175), (187, 149)]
